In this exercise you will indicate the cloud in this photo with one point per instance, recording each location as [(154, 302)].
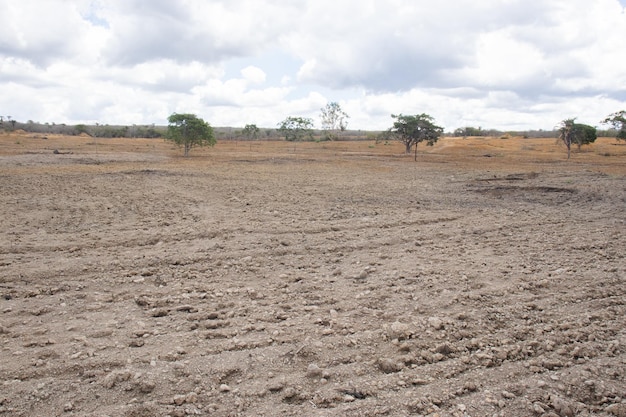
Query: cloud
[(493, 63), (30, 31), (253, 74), (189, 31)]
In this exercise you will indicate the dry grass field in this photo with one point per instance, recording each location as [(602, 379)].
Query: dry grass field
[(311, 279)]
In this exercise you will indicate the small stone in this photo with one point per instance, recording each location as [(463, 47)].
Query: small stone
[(508, 395), (290, 392), (562, 407), (539, 408), (436, 323), (618, 410), (136, 343), (68, 407), (313, 371), (389, 365), (551, 364), (146, 387), (470, 386), (445, 349), (399, 331), (224, 388), (276, 387)]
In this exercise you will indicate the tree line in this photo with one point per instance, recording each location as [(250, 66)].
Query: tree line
[(189, 130)]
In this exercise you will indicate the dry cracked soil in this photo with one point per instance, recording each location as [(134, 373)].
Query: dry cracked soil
[(336, 279)]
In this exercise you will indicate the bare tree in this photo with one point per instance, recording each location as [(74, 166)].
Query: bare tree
[(566, 133), (333, 120)]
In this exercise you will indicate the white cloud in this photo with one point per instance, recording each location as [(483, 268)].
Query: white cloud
[(253, 74), (492, 63)]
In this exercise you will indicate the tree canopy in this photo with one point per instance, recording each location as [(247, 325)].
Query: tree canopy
[(579, 134), (584, 134), (618, 121), (412, 130), (188, 130), (251, 131), (333, 120), (296, 128)]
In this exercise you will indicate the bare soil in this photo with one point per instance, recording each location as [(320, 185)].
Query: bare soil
[(311, 279)]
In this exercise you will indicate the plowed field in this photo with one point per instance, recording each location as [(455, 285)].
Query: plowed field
[(315, 279)]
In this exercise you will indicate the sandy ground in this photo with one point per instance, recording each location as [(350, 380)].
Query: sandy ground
[(318, 279)]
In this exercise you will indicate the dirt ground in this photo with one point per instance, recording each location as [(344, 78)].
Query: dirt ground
[(317, 279)]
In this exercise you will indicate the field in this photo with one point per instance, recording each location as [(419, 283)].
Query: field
[(311, 279)]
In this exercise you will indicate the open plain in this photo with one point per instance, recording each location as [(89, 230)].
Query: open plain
[(311, 279)]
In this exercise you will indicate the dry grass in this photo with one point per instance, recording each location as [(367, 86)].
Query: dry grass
[(494, 154)]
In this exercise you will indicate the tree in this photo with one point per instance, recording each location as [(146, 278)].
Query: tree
[(412, 130), (296, 128), (618, 121), (333, 120), (580, 134), (189, 130), (251, 132), (583, 134), (566, 133)]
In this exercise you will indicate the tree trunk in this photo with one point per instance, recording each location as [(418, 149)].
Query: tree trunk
[(408, 146)]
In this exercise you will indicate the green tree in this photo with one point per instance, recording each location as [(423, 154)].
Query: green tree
[(583, 134), (412, 130), (188, 130), (333, 120), (296, 128), (80, 128), (251, 132), (618, 121), (579, 134)]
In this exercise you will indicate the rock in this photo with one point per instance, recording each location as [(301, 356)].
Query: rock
[(112, 379), (179, 399), (290, 392), (562, 407), (224, 388), (551, 364), (508, 395), (389, 366), (363, 274), (136, 343), (399, 331), (539, 408), (470, 386), (145, 387), (436, 323), (276, 386), (313, 371), (618, 410), (445, 349)]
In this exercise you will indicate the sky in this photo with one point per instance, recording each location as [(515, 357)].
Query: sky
[(495, 64)]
